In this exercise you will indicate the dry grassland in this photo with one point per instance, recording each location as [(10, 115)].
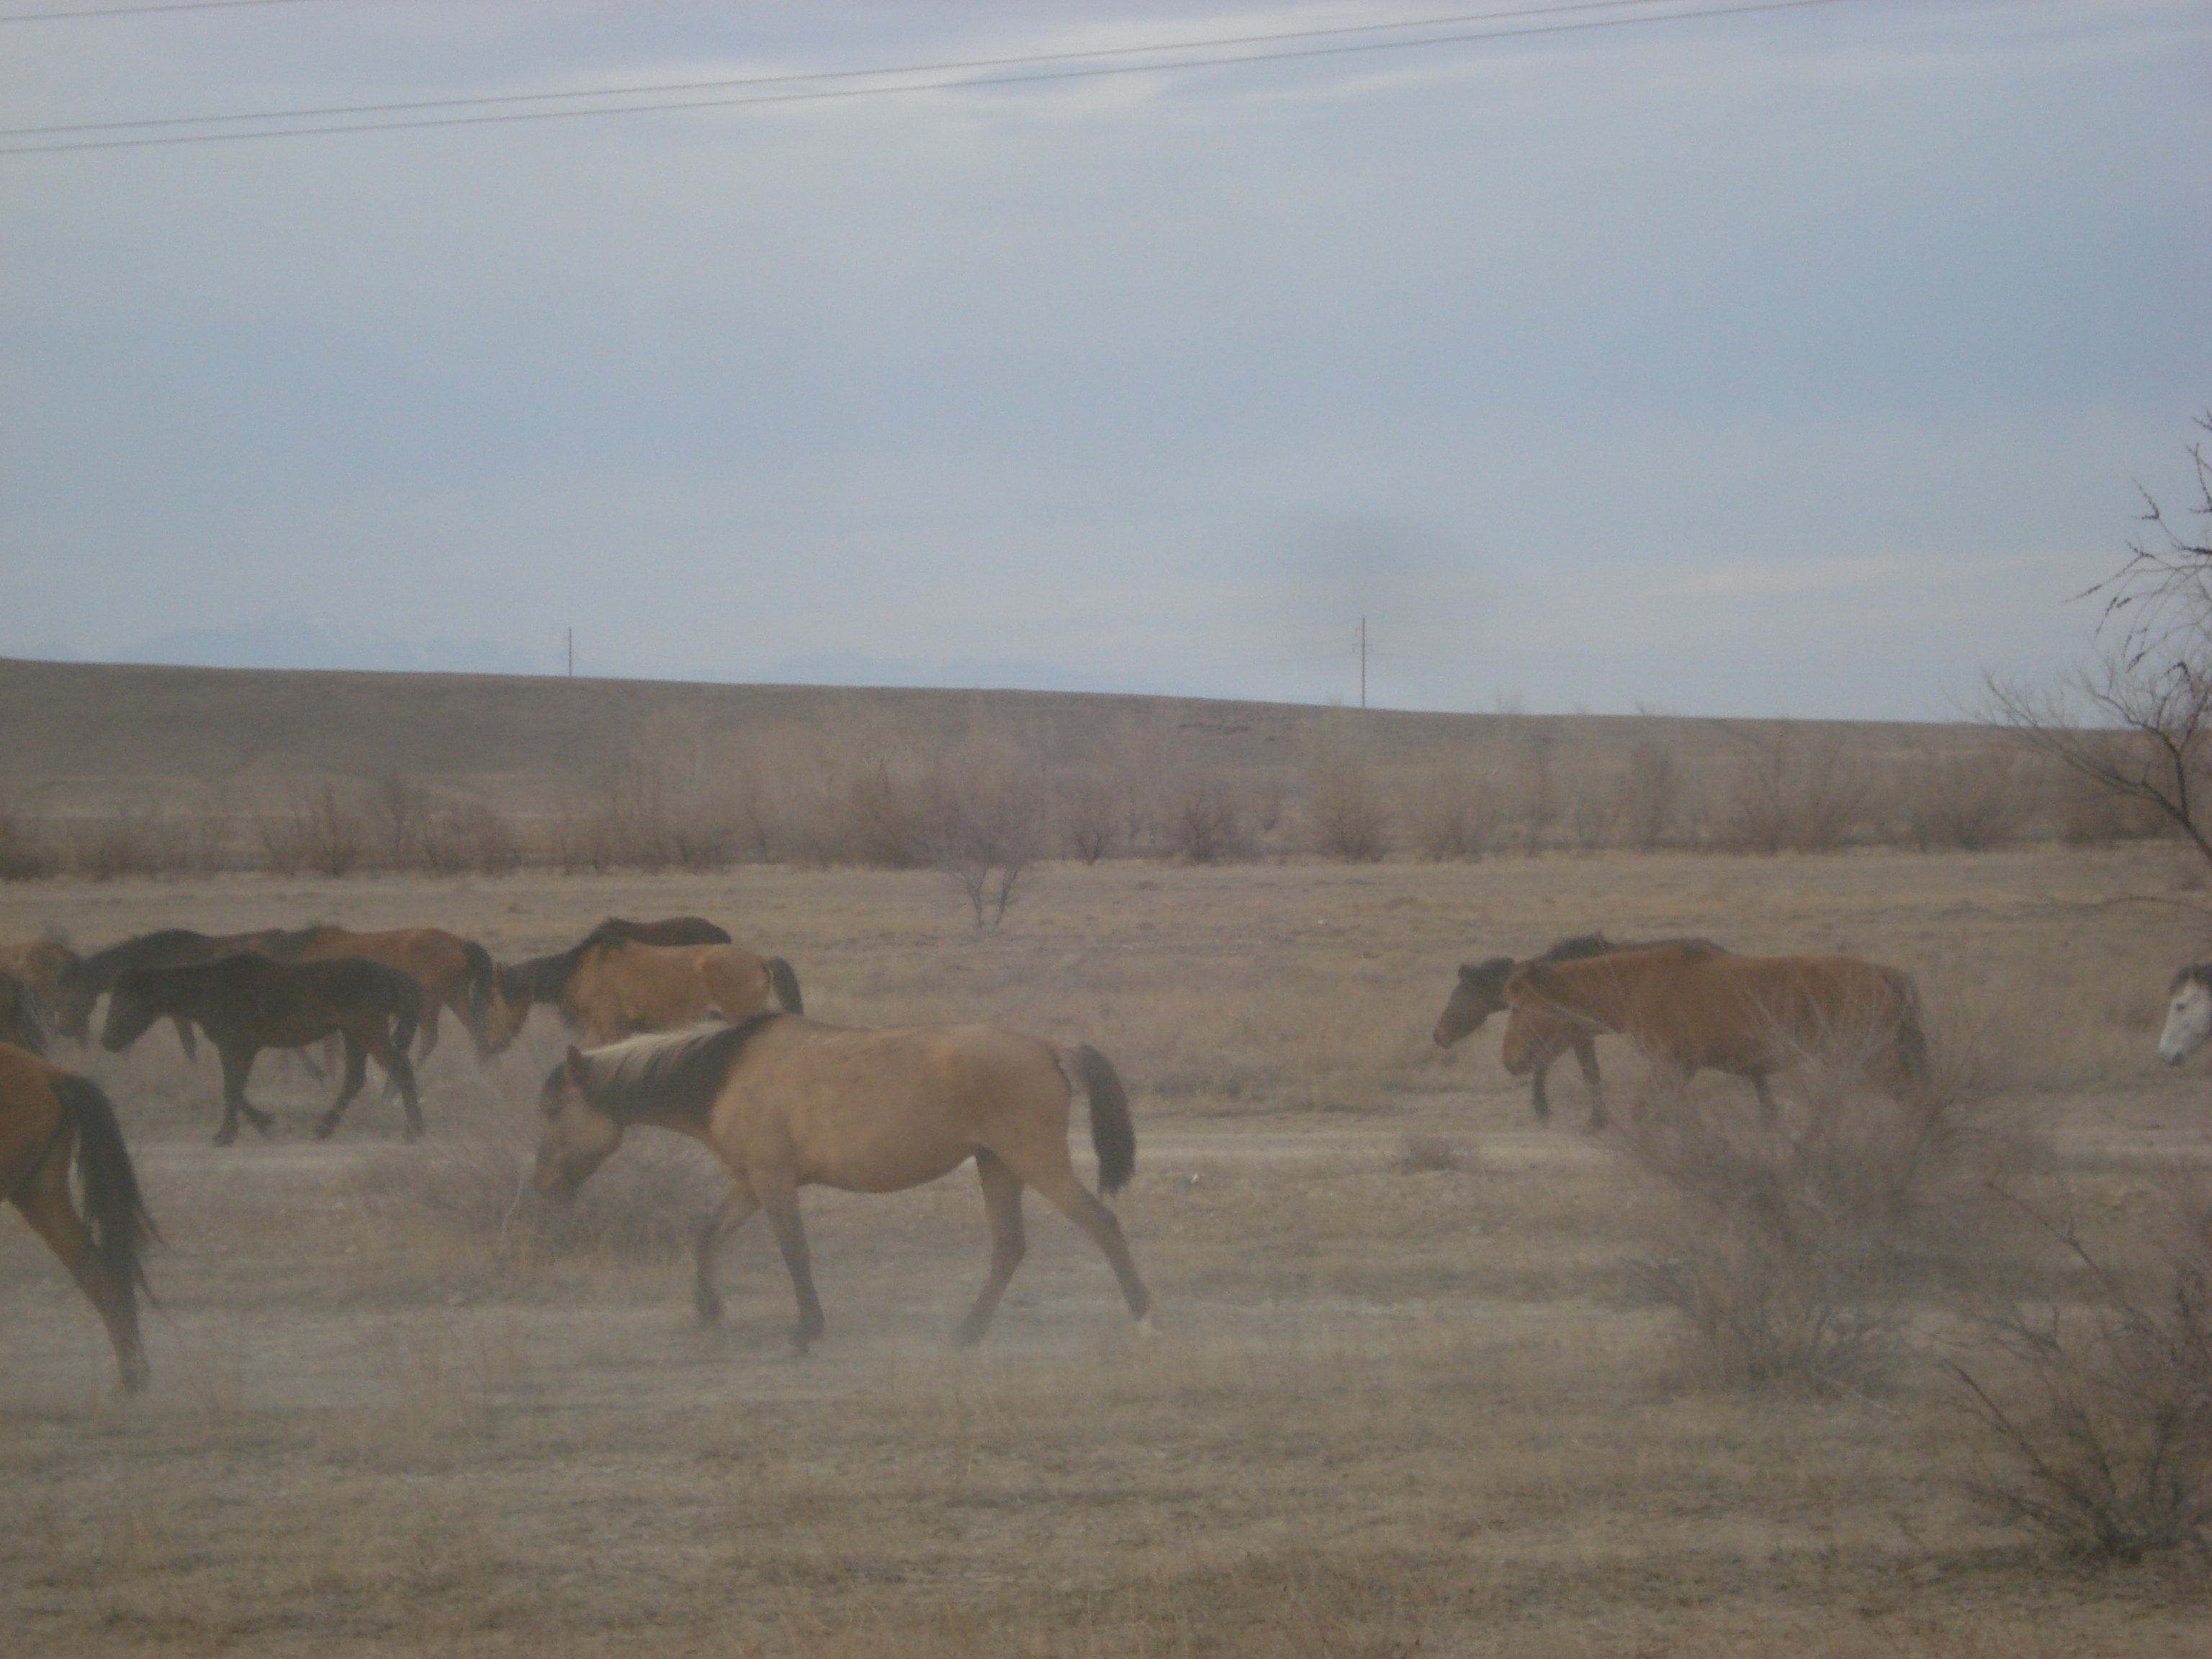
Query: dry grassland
[(1410, 1397)]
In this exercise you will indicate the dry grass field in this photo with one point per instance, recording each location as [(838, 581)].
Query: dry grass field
[(1412, 1395)]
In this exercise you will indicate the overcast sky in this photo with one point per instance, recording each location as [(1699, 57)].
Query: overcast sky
[(1803, 360)]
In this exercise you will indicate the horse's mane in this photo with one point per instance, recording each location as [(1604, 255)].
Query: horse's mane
[(100, 967), (2199, 971), (674, 1074), (1577, 947)]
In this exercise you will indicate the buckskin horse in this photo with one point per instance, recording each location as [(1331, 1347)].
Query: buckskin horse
[(518, 987), (247, 1002), (1694, 1006), (1546, 1034), (786, 1103), (454, 973), (613, 985), (46, 1113)]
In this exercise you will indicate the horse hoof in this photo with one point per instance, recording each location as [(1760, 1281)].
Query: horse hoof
[(708, 1308), (224, 1137), (323, 1128), (410, 1133)]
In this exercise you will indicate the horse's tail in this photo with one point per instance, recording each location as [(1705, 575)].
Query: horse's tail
[(480, 972), (114, 1209), (785, 983), (1112, 1135)]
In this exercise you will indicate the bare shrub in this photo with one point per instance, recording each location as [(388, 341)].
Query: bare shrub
[(1591, 815), (1089, 819), (24, 852), (397, 809), (1649, 794), (1785, 1253), (2101, 1413), (1351, 821), (459, 837), (132, 842), (1207, 826), (1793, 791), (1450, 816), (1970, 802), (645, 1203), (320, 831), (2090, 813), (983, 824)]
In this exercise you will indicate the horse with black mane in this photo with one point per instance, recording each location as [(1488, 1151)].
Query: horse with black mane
[(247, 1002), (1546, 1034), (518, 987), (786, 1102), (455, 974), (81, 983), (45, 1115), (1694, 1006)]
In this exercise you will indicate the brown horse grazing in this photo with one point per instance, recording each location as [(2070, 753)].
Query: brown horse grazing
[(1545, 1035), (84, 981), (454, 973), (44, 1111), (247, 1003), (786, 1103), (544, 979), (1693, 1006)]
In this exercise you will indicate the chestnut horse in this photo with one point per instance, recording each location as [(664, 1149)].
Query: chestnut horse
[(786, 1103), (1481, 993), (454, 973), (1694, 1006), (620, 988), (45, 1114), (516, 988), (247, 1003)]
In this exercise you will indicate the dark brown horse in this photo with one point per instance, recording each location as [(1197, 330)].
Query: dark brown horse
[(45, 1113), (786, 1103), (1481, 993), (1689, 1007), (247, 1003), (83, 981), (520, 985), (454, 973)]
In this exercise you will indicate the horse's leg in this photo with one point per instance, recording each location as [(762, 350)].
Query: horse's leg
[(1586, 1057), (1002, 1208), (431, 1009), (187, 1037), (1538, 1100), (1065, 1193), (398, 1069), (357, 1073), (237, 1066), (779, 1196), (46, 1206), (736, 1210)]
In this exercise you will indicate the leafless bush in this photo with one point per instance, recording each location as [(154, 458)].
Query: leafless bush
[(645, 1203), (459, 836), (24, 852), (1793, 791), (320, 831), (132, 842), (1970, 802), (982, 826), (1089, 819), (1450, 816), (2090, 813), (1207, 826), (2102, 1413), (1351, 821), (1649, 794), (1785, 1253), (397, 809)]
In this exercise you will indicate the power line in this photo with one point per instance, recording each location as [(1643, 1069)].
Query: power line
[(821, 95), (137, 11), (836, 75)]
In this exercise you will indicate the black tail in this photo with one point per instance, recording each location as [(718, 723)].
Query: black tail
[(786, 986), (1112, 1135), (480, 988), (114, 1209)]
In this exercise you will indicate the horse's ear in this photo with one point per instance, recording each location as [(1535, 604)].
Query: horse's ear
[(574, 1065)]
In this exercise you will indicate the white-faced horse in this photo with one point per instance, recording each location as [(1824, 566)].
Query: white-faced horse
[(2188, 1014)]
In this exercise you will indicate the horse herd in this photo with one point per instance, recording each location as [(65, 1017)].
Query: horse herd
[(681, 1029)]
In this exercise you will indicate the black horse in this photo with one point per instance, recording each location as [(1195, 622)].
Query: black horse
[(247, 1003), (81, 983)]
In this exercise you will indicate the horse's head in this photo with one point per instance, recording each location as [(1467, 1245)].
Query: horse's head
[(131, 1007), (1480, 993), (576, 1136), (507, 1009), (2188, 1014)]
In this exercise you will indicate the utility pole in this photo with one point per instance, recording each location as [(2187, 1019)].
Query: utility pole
[(572, 653), (1363, 662)]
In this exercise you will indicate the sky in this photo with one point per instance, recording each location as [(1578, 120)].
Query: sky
[(1804, 361)]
